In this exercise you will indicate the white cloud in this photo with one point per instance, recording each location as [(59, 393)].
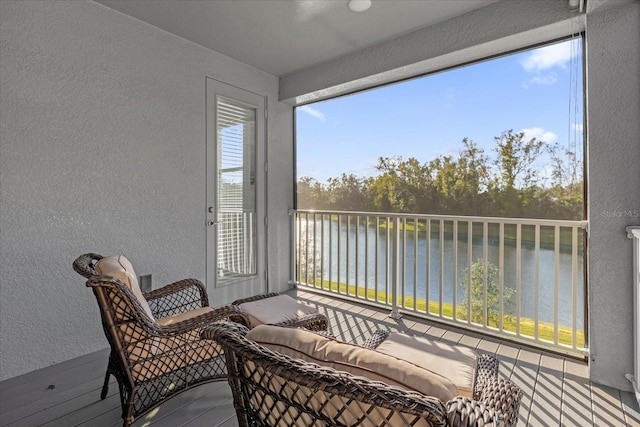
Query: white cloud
[(556, 55), (540, 134), (545, 80), (313, 113), (542, 62)]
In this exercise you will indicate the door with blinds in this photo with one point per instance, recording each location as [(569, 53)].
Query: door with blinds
[(235, 193)]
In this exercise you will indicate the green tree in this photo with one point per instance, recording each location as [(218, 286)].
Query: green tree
[(508, 184), (311, 194), (346, 193), (403, 185), (517, 176), (462, 183), (416, 187), (473, 179), (566, 195), (476, 286), (444, 179), (384, 187)]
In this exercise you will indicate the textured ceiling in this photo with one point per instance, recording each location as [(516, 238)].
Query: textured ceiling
[(283, 36)]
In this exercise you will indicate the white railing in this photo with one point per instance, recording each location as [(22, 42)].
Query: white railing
[(633, 232), (236, 249), (521, 279)]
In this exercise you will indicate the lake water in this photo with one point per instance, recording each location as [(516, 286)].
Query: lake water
[(423, 266)]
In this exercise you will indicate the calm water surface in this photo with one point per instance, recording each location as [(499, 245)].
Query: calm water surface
[(429, 265)]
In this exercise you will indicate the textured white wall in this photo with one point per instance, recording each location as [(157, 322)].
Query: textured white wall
[(613, 95), (102, 150)]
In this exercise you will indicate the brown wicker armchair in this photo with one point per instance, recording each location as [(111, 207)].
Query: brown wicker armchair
[(272, 389), (156, 349)]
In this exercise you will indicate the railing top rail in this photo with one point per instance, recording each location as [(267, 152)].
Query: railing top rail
[(492, 220)]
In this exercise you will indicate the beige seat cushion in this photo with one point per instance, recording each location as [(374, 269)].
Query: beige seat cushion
[(457, 363), (156, 356), (180, 317), (275, 310), (302, 344), (120, 268)]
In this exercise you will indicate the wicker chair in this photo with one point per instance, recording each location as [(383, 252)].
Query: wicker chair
[(272, 389), (156, 349)]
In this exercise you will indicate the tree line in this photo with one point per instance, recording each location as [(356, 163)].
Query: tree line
[(507, 182)]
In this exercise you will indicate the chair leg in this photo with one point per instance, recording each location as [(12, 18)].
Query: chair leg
[(105, 386), (486, 369)]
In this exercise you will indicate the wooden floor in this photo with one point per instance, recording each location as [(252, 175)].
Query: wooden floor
[(557, 391)]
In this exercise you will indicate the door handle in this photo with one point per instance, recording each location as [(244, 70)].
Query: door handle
[(211, 223)]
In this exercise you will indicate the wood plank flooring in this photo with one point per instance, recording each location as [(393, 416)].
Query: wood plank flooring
[(557, 390)]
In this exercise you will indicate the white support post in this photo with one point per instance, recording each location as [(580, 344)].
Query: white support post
[(395, 314), (633, 232), (292, 248)]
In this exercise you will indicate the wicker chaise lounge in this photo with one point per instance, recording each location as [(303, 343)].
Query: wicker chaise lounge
[(156, 349), (272, 389)]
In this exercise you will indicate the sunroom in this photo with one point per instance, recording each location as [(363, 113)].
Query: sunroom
[(107, 145)]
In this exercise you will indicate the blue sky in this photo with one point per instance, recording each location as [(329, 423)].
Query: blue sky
[(534, 91)]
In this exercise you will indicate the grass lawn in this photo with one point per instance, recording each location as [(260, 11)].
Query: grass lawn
[(527, 326)]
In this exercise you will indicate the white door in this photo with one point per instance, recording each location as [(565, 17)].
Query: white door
[(235, 193)]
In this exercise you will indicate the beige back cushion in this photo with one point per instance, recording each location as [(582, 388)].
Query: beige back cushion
[(305, 345), (120, 268), (457, 363)]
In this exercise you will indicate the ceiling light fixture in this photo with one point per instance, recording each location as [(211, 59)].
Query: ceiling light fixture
[(359, 5)]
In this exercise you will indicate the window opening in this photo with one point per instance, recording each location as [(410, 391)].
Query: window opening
[(502, 138)]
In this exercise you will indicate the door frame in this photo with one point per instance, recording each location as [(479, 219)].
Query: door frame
[(227, 290)]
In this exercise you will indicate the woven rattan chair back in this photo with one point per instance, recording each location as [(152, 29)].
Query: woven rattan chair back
[(151, 361)]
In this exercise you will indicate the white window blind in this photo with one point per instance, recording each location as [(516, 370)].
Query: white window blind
[(236, 188)]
